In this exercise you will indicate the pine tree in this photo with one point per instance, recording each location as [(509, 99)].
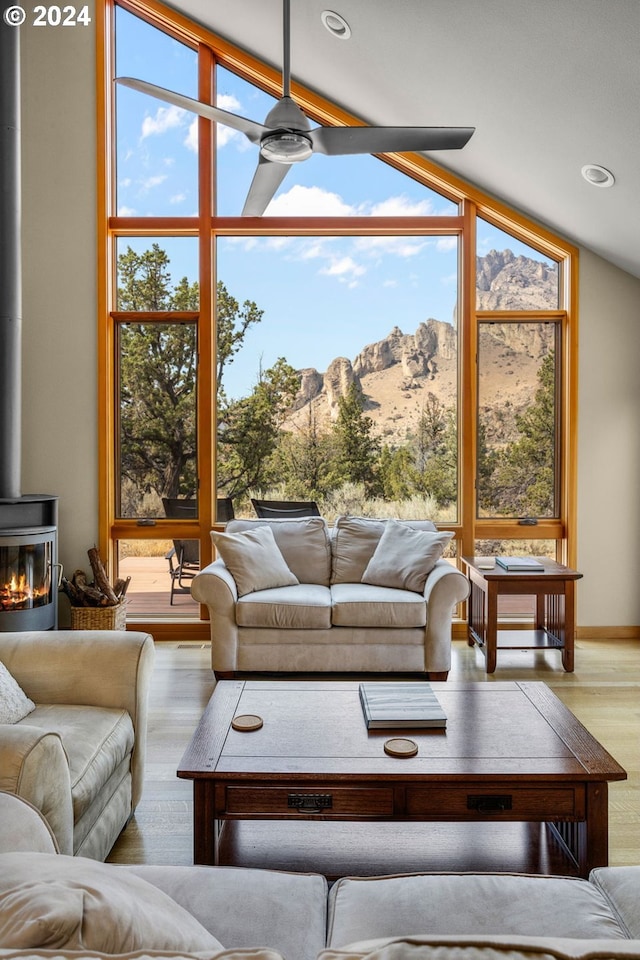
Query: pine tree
[(523, 481), (357, 449)]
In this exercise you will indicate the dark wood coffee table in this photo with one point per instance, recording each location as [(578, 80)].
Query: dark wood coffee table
[(512, 756)]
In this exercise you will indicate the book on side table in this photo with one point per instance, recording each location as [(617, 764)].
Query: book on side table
[(400, 705), (519, 563)]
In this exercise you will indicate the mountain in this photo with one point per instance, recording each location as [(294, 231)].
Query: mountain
[(396, 374)]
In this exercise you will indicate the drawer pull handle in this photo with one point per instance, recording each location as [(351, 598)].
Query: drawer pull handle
[(489, 803), (310, 802)]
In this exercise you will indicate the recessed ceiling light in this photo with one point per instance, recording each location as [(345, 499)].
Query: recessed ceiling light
[(336, 24), (598, 176)]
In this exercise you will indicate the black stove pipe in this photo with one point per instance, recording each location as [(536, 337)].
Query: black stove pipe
[(10, 259)]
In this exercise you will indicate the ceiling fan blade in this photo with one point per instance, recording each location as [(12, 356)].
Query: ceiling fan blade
[(337, 141), (266, 180), (254, 131)]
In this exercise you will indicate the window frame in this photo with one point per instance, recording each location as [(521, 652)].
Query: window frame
[(206, 227)]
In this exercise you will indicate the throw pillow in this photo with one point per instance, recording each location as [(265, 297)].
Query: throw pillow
[(254, 559), (82, 904), (354, 542), (14, 703), (404, 557)]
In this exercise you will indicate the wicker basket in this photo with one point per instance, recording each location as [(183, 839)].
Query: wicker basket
[(99, 618)]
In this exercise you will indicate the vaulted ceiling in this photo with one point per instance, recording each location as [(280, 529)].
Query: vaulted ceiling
[(550, 85)]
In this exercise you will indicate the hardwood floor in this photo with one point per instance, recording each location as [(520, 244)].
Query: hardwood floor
[(603, 692)]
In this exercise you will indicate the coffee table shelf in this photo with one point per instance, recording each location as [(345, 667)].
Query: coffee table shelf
[(367, 849)]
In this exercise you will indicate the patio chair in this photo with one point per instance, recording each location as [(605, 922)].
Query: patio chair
[(184, 556), (285, 509), (224, 509)]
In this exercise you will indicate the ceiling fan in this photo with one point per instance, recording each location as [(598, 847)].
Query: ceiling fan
[(286, 136)]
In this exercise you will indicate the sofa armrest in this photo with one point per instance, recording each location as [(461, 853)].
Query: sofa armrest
[(34, 766), (103, 668), (22, 827), (621, 887), (445, 587), (215, 587)]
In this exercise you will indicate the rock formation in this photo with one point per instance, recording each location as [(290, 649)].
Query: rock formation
[(391, 372)]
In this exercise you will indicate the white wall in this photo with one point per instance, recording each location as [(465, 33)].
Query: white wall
[(59, 272), (608, 445), (60, 408)]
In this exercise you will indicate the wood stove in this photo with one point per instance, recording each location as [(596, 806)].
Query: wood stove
[(29, 569)]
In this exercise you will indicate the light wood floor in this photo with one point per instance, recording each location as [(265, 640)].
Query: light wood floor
[(603, 692)]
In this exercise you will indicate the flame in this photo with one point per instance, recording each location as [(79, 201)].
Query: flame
[(18, 594)]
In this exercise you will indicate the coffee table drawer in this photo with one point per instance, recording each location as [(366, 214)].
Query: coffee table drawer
[(291, 801), (550, 802)]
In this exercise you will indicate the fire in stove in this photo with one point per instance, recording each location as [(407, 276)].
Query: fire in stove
[(20, 594), (28, 588)]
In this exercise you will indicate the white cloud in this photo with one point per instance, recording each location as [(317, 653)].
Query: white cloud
[(348, 259), (309, 202), (178, 198), (445, 244), (224, 134), (191, 139), (398, 246), (152, 182), (402, 207), (126, 212), (317, 248), (345, 268), (166, 118)]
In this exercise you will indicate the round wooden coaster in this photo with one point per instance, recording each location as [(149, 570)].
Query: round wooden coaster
[(399, 747), (246, 722)]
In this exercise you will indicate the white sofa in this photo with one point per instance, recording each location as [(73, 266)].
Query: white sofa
[(79, 755), (330, 620), (93, 909)]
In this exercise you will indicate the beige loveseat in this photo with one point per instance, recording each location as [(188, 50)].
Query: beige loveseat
[(338, 611), (94, 909), (79, 755)]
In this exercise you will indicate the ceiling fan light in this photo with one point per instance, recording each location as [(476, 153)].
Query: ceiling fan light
[(335, 24), (597, 175), (286, 147)]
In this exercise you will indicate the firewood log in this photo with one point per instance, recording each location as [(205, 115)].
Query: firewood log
[(100, 576)]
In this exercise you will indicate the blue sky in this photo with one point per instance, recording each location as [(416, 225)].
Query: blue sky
[(321, 297)]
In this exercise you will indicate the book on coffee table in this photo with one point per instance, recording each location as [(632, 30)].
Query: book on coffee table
[(400, 705), (519, 563)]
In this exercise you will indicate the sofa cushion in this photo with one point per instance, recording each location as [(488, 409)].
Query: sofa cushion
[(354, 542), (405, 557), (243, 906), (253, 559), (49, 900), (305, 606), (620, 886), (15, 705), (304, 544), (96, 740), (484, 948), (495, 904), (363, 605)]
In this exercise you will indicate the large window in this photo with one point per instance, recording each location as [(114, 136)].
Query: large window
[(384, 340)]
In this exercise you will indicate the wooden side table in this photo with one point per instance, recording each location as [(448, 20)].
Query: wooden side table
[(554, 626)]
